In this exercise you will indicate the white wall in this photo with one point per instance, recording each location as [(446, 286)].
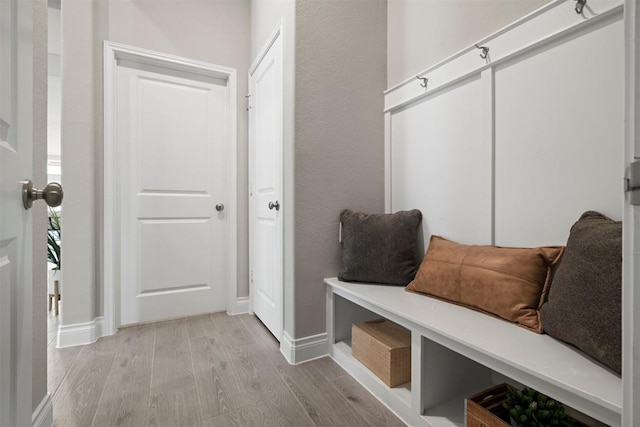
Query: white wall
[(423, 32), (79, 133), (211, 31)]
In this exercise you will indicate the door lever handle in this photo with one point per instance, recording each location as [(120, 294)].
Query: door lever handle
[(275, 205)]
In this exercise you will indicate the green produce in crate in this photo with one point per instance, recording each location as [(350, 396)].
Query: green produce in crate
[(530, 408)]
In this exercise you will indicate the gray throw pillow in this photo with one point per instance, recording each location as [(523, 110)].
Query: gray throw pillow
[(585, 298), (380, 248)]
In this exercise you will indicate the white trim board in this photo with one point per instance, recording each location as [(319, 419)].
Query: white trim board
[(79, 333), (299, 350), (113, 52), (545, 25), (240, 306), (43, 415)]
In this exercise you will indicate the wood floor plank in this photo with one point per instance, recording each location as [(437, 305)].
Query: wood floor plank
[(125, 400), (214, 370), (234, 333), (218, 383), (258, 330), (319, 398), (78, 396), (174, 408), (59, 361), (203, 326), (172, 364), (258, 415), (110, 344), (368, 406), (329, 368), (263, 384), (136, 351)]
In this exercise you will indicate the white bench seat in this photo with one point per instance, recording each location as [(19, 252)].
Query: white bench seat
[(469, 337)]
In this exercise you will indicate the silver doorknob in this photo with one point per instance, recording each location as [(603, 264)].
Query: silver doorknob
[(219, 207), (52, 194), (275, 205)]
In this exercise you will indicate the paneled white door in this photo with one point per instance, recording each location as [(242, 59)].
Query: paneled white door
[(172, 130), (16, 122), (265, 152)]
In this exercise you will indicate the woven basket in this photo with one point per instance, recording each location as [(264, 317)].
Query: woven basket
[(385, 348)]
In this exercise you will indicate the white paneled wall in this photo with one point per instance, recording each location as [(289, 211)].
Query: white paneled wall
[(512, 150), (441, 163)]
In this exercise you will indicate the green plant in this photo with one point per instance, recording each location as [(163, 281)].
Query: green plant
[(530, 408), (53, 239)]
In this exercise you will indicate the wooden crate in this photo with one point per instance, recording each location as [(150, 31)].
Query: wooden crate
[(385, 348), (485, 408)]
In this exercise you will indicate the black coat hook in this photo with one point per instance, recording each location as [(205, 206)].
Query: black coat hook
[(485, 51), (580, 6), (424, 81)]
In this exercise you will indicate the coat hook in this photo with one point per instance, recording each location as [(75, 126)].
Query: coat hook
[(485, 51), (424, 81), (580, 6)]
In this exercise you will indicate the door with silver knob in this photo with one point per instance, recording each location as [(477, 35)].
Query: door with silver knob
[(17, 264), (266, 188), (172, 209), (52, 194)]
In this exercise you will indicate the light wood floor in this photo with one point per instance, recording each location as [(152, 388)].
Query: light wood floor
[(214, 370)]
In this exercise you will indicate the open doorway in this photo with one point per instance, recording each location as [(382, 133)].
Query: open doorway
[(54, 169)]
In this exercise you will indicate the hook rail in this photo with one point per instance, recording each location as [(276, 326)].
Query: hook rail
[(425, 81), (485, 51)]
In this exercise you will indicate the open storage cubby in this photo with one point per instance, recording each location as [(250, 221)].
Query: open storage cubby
[(447, 379), (346, 314), (457, 352)]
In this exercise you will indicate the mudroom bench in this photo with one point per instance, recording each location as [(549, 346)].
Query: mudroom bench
[(456, 352)]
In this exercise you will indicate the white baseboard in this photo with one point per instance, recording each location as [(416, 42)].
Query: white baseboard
[(79, 333), (240, 306), (43, 415), (303, 349)]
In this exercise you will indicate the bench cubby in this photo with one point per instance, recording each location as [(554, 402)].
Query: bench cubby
[(457, 352)]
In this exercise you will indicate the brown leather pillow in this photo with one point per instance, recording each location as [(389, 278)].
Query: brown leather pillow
[(510, 283)]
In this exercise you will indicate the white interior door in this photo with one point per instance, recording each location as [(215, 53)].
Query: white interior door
[(265, 152), (16, 74), (172, 130)]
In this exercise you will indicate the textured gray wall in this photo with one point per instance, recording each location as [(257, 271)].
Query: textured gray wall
[(39, 210), (339, 139), (421, 33)]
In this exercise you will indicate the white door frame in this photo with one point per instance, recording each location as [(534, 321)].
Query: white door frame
[(277, 32), (631, 232), (111, 226)]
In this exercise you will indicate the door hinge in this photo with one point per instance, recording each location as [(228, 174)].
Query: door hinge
[(248, 101), (251, 276), (632, 182)]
